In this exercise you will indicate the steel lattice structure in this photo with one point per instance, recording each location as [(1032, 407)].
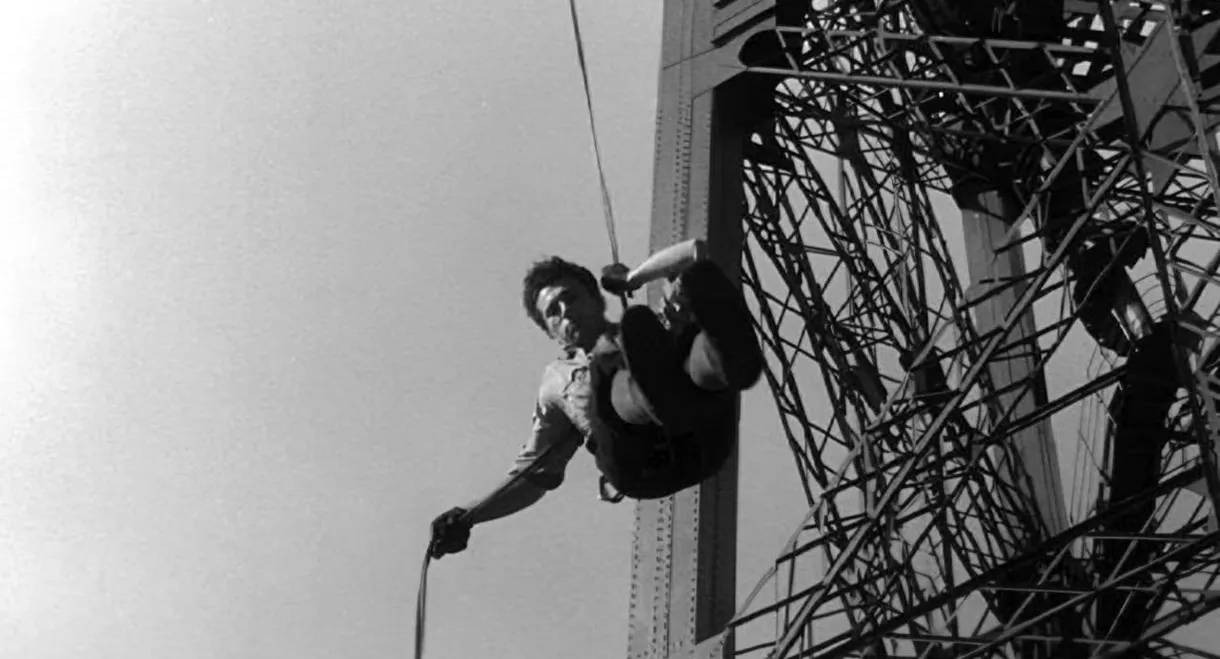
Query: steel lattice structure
[(914, 393)]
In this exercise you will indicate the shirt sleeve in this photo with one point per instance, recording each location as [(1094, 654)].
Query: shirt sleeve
[(553, 441)]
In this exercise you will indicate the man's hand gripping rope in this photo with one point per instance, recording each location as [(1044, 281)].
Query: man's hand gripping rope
[(614, 281), (450, 535), (450, 532)]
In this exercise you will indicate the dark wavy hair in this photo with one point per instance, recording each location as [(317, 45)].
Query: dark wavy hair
[(548, 272)]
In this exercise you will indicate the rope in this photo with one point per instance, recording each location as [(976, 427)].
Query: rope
[(421, 599), (607, 209), (421, 604)]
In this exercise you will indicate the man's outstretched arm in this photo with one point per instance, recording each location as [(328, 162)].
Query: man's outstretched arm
[(537, 471), (539, 467), (540, 464), (534, 475), (513, 495), (669, 262)]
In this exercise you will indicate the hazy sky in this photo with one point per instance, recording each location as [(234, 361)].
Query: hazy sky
[(261, 322)]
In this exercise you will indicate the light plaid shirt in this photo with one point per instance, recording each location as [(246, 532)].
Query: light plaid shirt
[(565, 415)]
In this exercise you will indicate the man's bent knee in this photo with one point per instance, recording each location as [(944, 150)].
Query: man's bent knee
[(628, 401)]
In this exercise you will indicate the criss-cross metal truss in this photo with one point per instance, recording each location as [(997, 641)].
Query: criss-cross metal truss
[(926, 534)]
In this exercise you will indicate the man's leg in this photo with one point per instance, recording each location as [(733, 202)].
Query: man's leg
[(634, 455), (725, 354), (648, 461), (655, 385)]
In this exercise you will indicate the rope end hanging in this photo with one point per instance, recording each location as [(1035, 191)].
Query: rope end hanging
[(421, 605)]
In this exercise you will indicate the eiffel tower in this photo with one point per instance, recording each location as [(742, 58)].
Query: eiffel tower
[(981, 241)]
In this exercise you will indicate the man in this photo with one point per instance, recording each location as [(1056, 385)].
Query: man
[(647, 397)]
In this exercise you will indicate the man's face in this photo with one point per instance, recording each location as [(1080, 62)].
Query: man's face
[(572, 314)]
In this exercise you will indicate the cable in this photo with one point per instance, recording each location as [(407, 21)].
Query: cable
[(421, 599), (421, 604), (607, 209)]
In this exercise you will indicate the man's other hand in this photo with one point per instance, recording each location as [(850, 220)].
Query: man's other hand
[(614, 279), (450, 533)]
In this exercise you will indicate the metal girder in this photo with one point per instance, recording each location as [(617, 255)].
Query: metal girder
[(684, 550), (927, 534)]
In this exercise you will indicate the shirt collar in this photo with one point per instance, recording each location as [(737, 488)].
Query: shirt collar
[(575, 353)]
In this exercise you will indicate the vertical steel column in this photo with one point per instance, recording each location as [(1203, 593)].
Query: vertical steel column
[(1027, 459), (987, 217), (683, 584)]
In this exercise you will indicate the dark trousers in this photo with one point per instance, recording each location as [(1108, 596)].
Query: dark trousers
[(720, 357), (645, 461)]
